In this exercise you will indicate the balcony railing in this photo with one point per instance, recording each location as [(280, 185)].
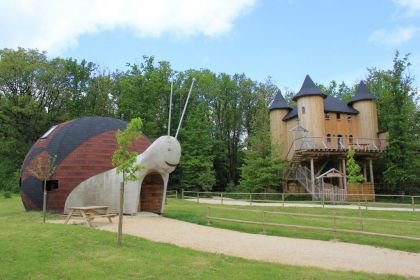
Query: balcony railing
[(337, 144)]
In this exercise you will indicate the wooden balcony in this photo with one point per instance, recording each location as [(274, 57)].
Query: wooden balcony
[(321, 146)]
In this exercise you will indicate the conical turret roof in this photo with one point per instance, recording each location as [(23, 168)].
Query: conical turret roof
[(362, 94), (279, 102), (308, 88)]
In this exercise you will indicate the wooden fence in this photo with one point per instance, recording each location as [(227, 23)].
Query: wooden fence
[(362, 200), (334, 229)]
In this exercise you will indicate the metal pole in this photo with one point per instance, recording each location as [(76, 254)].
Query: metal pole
[(185, 108)]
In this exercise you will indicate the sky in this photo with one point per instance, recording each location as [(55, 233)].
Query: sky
[(282, 39)]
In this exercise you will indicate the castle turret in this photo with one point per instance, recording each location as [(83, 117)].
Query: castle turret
[(278, 128), (310, 107), (363, 101)]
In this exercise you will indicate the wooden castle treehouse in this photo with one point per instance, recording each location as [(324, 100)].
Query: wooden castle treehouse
[(315, 135)]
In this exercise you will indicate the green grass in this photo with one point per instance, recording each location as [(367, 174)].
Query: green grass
[(32, 250), (196, 213)]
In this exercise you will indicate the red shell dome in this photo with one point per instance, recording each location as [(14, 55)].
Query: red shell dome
[(83, 147)]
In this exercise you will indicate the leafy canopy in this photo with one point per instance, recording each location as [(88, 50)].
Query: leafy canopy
[(353, 169), (124, 159), (44, 167)]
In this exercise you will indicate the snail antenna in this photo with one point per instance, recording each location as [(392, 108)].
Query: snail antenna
[(170, 109), (185, 107)]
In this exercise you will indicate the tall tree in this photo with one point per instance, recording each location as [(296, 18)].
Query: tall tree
[(261, 170), (398, 114), (125, 161)]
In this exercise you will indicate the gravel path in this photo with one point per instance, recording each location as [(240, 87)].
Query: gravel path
[(323, 254)]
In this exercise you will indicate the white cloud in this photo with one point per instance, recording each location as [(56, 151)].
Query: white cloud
[(393, 37), (411, 6), (54, 25)]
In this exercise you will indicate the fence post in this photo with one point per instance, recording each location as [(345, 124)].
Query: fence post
[(360, 216), (264, 231), (282, 198), (182, 193), (250, 199), (334, 227), (323, 200), (208, 215), (198, 197), (221, 198), (412, 202), (176, 194), (366, 202)]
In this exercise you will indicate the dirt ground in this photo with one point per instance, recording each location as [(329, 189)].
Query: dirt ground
[(293, 251)]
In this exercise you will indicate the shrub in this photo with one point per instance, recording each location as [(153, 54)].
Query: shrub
[(7, 194)]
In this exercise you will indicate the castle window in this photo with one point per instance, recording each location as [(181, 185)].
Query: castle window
[(338, 116), (303, 109), (349, 117), (327, 116), (328, 138)]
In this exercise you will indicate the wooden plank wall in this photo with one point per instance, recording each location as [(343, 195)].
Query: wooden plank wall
[(367, 118), (358, 192)]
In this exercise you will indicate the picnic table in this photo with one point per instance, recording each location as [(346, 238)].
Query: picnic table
[(89, 213)]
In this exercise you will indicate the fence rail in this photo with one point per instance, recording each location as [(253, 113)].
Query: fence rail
[(361, 200), (334, 229)]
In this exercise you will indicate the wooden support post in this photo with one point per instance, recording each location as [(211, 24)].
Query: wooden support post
[(221, 198), (250, 199), (366, 202), (412, 202), (198, 197), (312, 176), (208, 215), (365, 171), (371, 172), (282, 199), (334, 226), (176, 194), (182, 193), (340, 180), (360, 216), (343, 164), (263, 223)]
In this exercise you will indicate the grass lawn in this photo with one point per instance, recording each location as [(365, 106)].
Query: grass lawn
[(196, 213), (32, 250)]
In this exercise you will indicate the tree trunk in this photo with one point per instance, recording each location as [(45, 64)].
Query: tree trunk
[(44, 203), (120, 218)]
